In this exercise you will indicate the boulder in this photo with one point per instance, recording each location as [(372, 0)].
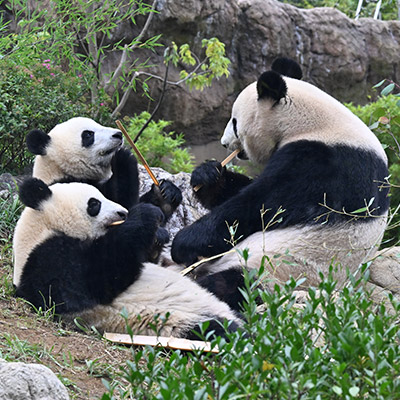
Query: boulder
[(19, 381), (339, 55)]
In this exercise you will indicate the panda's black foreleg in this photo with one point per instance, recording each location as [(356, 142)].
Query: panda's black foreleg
[(161, 239), (123, 186), (167, 196), (213, 184)]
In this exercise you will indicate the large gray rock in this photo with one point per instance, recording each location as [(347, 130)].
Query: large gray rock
[(341, 56), (19, 381)]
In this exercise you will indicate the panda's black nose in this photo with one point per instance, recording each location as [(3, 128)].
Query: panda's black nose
[(123, 215), (117, 135), (225, 145)]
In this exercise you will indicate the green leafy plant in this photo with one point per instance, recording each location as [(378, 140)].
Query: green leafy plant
[(337, 345), (160, 148), (80, 35), (388, 10), (10, 210), (36, 97)]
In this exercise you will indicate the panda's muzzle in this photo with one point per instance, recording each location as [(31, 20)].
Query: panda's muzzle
[(242, 155), (120, 218)]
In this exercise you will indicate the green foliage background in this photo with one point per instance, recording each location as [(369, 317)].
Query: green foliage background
[(388, 9), (383, 116)]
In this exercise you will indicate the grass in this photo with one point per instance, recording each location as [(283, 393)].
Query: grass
[(335, 345)]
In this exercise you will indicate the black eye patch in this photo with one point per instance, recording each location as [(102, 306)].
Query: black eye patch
[(93, 207), (87, 138), (234, 123)]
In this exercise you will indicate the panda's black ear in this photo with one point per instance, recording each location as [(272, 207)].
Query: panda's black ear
[(288, 67), (37, 142), (271, 85), (33, 191)]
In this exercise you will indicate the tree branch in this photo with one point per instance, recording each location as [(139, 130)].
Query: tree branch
[(124, 55)]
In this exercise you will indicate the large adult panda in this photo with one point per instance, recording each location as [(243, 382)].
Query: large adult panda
[(321, 198), (81, 150), (84, 255)]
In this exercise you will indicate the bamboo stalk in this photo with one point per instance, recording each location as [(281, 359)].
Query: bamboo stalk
[(223, 163), (138, 153), (163, 341), (190, 268)]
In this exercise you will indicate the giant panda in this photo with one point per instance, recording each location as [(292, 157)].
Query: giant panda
[(81, 150), (84, 254), (320, 201)]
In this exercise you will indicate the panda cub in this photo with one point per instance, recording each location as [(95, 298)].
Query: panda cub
[(321, 198), (81, 150), (84, 254)]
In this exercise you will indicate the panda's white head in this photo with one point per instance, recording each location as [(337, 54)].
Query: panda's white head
[(79, 148), (280, 108), (75, 209)]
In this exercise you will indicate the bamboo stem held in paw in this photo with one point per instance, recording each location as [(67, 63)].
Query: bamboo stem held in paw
[(138, 153), (223, 163)]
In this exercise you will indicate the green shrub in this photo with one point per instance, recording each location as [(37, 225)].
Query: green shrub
[(160, 148), (383, 117), (38, 97), (388, 9), (338, 346)]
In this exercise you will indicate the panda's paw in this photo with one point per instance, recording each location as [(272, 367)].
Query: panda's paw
[(207, 174), (170, 193), (161, 238), (183, 250), (146, 217)]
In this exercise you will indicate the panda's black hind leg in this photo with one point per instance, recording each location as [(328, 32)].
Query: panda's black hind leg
[(226, 286)]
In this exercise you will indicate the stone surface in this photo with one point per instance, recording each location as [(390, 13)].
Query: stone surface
[(19, 381), (341, 56), (385, 270)]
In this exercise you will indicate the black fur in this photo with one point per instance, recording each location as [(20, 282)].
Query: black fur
[(33, 192), (225, 285), (271, 85), (167, 196), (123, 186), (214, 325), (288, 67), (217, 184), (299, 177), (75, 274), (37, 141), (87, 138)]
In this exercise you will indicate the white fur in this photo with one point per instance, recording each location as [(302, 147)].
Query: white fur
[(65, 211), (65, 154), (306, 251), (157, 292), (306, 113)]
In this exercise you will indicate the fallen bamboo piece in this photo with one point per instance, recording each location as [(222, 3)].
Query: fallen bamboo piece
[(190, 268), (138, 153), (223, 163), (161, 341)]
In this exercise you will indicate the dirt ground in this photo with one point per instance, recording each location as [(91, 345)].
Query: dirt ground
[(81, 360)]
